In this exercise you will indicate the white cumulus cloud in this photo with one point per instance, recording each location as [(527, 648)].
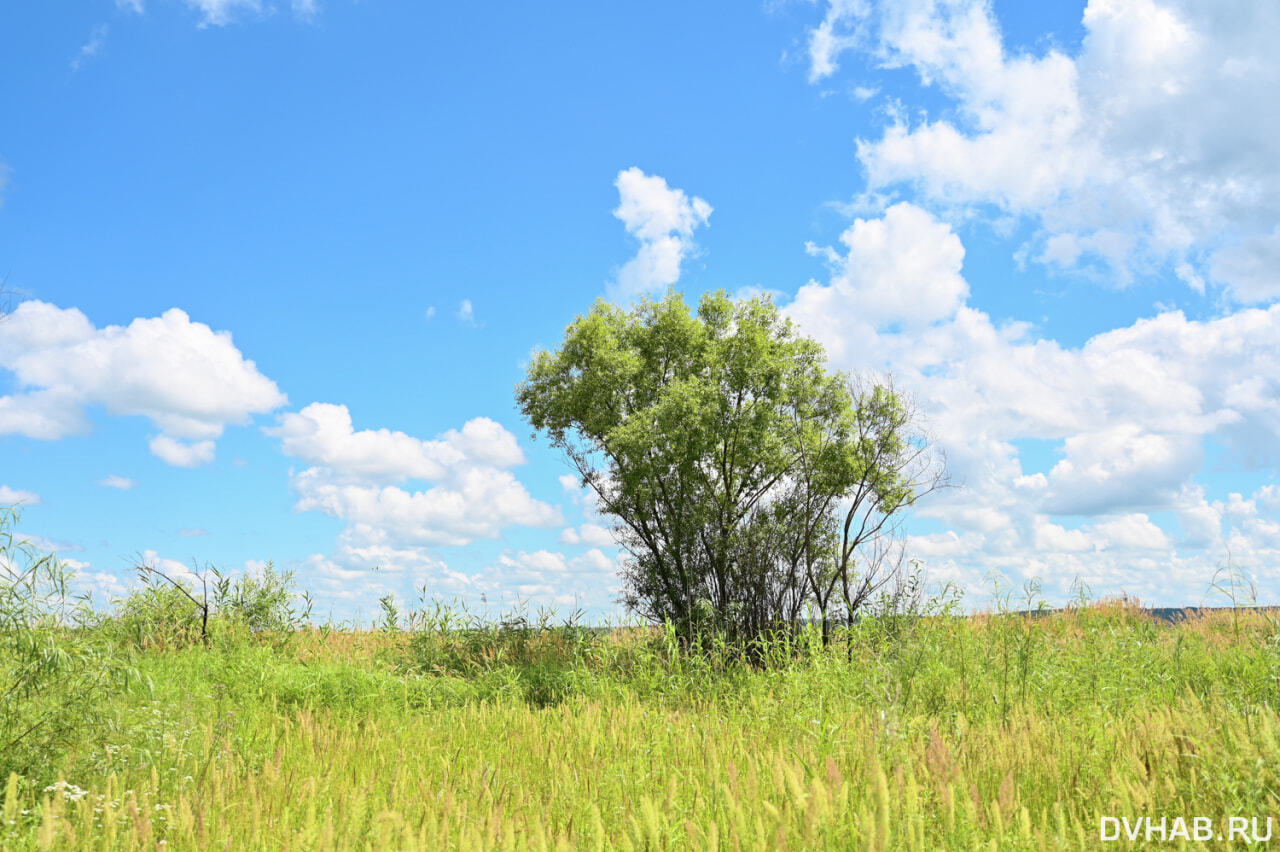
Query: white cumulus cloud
[(663, 219), (1132, 531), (355, 476), (322, 434), (181, 453), (588, 533), (474, 503), (1127, 413), (1053, 538), (903, 267), (1148, 148), (189, 380), (14, 496)]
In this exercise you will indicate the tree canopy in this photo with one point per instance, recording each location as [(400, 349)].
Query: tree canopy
[(741, 474)]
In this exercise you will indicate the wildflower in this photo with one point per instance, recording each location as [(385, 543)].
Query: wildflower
[(70, 792)]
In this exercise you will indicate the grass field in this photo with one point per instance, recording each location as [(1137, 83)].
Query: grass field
[(935, 732)]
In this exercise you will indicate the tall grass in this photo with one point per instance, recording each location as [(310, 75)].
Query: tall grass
[(444, 730), (933, 732)]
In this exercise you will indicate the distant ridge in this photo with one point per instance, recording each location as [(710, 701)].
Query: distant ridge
[(1171, 614)]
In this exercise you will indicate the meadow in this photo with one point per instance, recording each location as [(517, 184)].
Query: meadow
[(916, 730)]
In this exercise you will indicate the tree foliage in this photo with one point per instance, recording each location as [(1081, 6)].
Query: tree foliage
[(743, 477)]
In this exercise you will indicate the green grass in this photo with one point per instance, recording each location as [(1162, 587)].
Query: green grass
[(931, 733)]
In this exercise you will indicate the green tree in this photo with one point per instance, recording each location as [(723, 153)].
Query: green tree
[(725, 452)]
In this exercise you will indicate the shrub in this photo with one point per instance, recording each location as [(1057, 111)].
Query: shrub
[(536, 658), (168, 612), (54, 670), (261, 601), (158, 615)]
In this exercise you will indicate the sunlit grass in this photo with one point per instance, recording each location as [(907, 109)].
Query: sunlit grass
[(918, 733)]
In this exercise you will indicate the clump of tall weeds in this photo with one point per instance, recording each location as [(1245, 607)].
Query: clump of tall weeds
[(166, 612), (55, 669), (528, 653)]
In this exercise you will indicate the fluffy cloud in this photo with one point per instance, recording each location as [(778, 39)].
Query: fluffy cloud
[(1129, 413), (335, 584), (1199, 521), (1135, 531), (322, 434), (49, 414), (1269, 496), (538, 578), (376, 548), (902, 268), (588, 533), (365, 567), (393, 530), (595, 530), (353, 474), (475, 503), (1118, 467), (181, 453), (663, 220), (13, 496), (1130, 405), (589, 579), (101, 586), (175, 570), (189, 380), (838, 32), (1251, 267), (1146, 149), (1052, 538), (947, 544)]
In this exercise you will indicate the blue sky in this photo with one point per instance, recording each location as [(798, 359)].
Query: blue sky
[(275, 268)]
